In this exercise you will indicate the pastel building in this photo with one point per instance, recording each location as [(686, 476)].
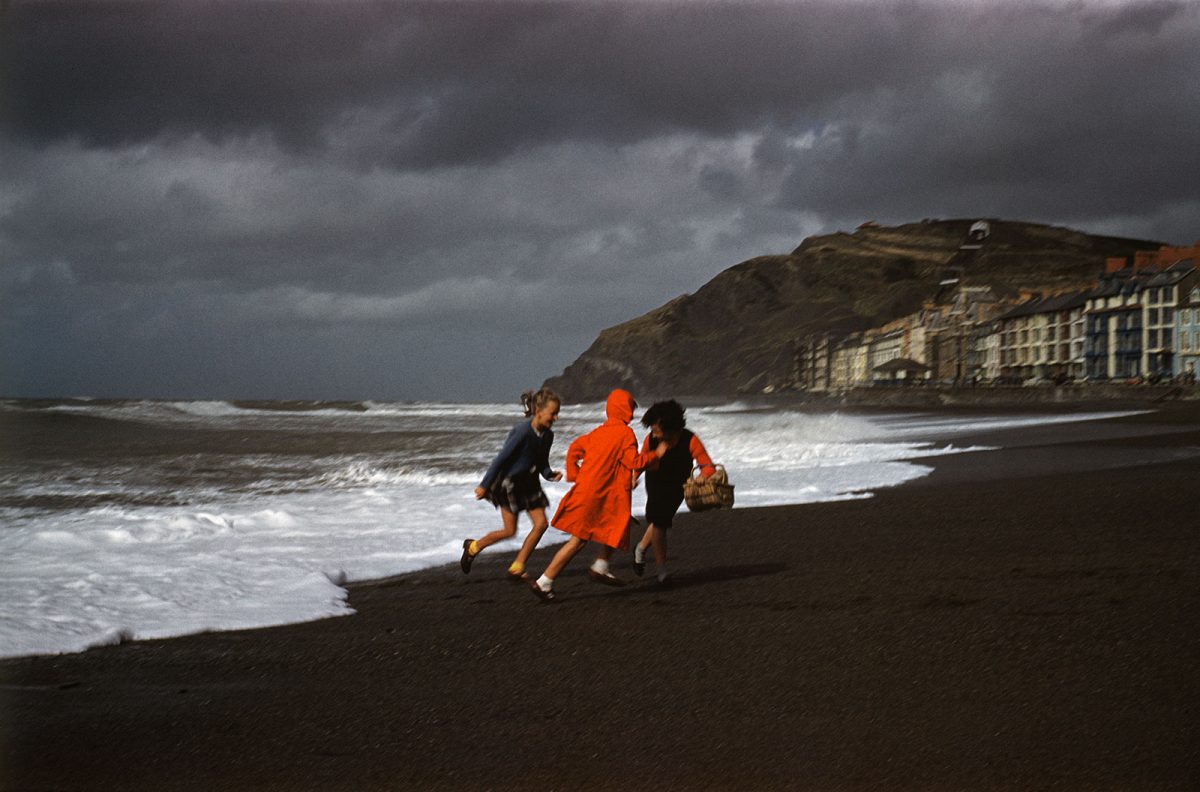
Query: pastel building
[(884, 348), (960, 333), (985, 350), (1132, 319), (1043, 337), (846, 354), (1114, 331), (813, 361), (1187, 335)]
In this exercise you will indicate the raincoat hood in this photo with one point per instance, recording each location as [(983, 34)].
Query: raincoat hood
[(619, 406)]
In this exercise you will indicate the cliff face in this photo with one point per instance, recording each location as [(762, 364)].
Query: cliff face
[(738, 332)]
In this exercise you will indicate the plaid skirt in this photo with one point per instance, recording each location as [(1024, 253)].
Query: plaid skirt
[(519, 492)]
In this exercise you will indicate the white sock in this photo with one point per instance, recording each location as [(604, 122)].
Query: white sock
[(639, 554), (545, 583), (600, 565)]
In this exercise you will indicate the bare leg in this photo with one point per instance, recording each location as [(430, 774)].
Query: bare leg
[(507, 531), (535, 535), (646, 537), (564, 556), (659, 539)]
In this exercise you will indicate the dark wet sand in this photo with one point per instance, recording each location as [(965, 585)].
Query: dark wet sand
[(1020, 619)]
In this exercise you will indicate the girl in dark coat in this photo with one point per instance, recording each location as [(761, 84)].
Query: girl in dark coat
[(665, 478), (511, 481)]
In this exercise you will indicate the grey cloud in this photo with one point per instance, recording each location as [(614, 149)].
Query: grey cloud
[(396, 197), (457, 82), (1051, 133)]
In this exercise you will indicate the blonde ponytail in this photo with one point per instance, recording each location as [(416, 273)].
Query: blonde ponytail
[(533, 401)]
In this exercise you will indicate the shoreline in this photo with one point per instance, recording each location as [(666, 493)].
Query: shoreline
[(1027, 617), (1003, 398), (88, 435)]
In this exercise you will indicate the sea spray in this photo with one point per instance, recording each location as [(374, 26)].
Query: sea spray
[(142, 519)]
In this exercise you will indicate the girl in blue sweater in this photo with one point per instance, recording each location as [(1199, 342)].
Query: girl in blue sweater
[(511, 481)]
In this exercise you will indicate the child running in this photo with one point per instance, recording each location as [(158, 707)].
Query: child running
[(665, 478), (511, 481), (603, 466)]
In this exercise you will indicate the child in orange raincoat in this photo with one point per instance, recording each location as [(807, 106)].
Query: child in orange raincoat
[(603, 464)]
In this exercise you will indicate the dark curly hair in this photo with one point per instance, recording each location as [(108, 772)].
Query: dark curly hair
[(667, 414)]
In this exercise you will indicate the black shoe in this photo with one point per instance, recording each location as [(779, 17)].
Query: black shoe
[(639, 568), (467, 558)]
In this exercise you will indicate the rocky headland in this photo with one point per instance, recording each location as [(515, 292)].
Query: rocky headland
[(737, 333)]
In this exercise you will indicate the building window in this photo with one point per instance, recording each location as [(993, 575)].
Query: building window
[(1168, 315), (1153, 342), (1153, 316), (1167, 337)]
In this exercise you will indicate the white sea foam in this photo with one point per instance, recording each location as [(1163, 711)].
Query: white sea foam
[(276, 548), (206, 409), (364, 474)]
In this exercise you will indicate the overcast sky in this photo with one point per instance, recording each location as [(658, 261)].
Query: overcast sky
[(450, 200)]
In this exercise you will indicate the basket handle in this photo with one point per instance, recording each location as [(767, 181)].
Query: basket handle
[(719, 470)]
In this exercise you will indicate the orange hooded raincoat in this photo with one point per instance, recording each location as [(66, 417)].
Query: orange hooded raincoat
[(603, 464)]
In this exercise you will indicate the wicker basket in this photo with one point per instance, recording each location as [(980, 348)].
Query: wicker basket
[(713, 493)]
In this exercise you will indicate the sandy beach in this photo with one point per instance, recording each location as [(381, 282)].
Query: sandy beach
[(1019, 619)]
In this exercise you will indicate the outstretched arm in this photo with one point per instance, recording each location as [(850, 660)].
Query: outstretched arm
[(548, 473), (700, 454), (646, 449), (630, 458)]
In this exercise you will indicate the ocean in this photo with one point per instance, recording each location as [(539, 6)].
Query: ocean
[(126, 520)]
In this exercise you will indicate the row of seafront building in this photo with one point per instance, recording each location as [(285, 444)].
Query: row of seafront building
[(1140, 321)]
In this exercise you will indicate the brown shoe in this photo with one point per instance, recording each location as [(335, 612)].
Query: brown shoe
[(607, 578), (541, 593), (467, 558)]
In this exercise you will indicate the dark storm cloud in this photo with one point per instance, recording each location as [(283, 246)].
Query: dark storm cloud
[(358, 189), (1076, 118), (461, 82)]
